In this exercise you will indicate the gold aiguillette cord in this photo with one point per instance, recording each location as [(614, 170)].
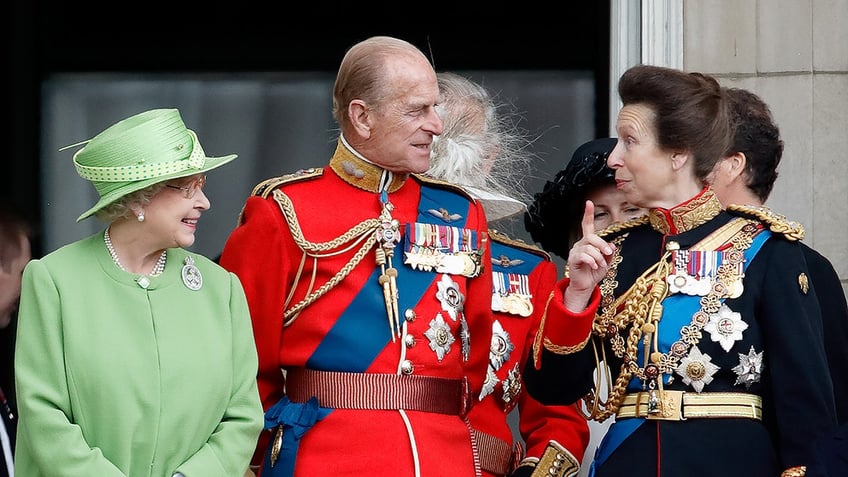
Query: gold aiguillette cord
[(388, 236)]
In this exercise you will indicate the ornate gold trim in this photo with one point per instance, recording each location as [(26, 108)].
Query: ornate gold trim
[(560, 349), (360, 173), (797, 471), (686, 216), (778, 223)]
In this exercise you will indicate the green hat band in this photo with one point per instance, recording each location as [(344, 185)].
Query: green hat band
[(145, 170), (137, 152)]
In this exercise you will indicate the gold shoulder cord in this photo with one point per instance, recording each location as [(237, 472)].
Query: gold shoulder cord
[(364, 233), (619, 226), (798, 471), (777, 223)]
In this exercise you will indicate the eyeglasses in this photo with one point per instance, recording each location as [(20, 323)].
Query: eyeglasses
[(190, 189)]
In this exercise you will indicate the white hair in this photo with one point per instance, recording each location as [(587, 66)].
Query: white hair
[(481, 145)]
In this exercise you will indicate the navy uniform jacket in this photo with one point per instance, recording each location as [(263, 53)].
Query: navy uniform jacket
[(783, 327), (830, 453), (835, 322)]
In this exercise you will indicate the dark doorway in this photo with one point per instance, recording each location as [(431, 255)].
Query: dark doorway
[(48, 41)]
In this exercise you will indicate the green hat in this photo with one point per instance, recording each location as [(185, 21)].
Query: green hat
[(140, 151)]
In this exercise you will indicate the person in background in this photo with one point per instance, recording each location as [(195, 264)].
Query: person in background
[(369, 288), (482, 151), (746, 177), (708, 325), (135, 356), (15, 253), (553, 219)]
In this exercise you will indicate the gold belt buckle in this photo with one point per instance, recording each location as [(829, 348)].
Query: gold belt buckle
[(670, 407)]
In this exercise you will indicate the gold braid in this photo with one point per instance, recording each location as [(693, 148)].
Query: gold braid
[(364, 232), (642, 303)]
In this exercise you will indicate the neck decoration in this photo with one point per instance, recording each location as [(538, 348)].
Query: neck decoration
[(686, 216), (157, 269)]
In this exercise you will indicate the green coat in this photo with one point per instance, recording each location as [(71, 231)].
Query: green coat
[(117, 380)]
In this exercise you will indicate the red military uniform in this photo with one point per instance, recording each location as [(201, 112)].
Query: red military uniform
[(524, 278), (304, 250)]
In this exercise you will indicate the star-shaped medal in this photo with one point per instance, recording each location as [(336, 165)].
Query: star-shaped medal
[(465, 338), (440, 337), (697, 369), (749, 369), (449, 296), (511, 386), (726, 327), (501, 346), (489, 383)]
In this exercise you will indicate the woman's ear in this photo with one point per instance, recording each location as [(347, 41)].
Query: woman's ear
[(679, 159)]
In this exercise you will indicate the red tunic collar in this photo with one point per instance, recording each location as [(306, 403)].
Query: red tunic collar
[(357, 171), (687, 215)]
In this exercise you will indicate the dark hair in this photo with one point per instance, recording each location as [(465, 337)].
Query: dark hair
[(553, 219), (757, 136), (12, 226), (690, 111)]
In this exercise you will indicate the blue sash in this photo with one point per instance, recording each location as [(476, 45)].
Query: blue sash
[(361, 331), (365, 317), (677, 310)]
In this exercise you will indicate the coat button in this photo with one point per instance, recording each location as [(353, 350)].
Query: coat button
[(409, 314), (406, 367), (409, 341)]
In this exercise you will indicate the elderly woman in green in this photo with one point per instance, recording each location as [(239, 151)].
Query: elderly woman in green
[(134, 356)]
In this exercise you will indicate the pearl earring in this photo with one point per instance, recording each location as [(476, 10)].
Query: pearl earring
[(141, 216)]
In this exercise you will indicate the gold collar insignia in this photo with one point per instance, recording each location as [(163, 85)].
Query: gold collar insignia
[(686, 216), (358, 172)]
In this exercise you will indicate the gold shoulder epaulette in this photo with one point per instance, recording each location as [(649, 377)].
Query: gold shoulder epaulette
[(444, 184), (777, 223), (264, 188), (501, 237), (622, 226)]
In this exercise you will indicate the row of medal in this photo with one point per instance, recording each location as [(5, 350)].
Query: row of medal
[(693, 273), (443, 249)]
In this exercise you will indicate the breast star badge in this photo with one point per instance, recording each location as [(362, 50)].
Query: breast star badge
[(726, 327), (697, 369), (440, 337), (749, 369)]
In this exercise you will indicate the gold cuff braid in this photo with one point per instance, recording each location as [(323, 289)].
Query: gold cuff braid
[(797, 471), (560, 349), (556, 461)]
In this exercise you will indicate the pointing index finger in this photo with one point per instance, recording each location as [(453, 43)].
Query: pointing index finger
[(588, 223)]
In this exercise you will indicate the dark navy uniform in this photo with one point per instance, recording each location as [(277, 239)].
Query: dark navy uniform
[(834, 309), (729, 377)]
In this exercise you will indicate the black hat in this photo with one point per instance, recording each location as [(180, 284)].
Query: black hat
[(558, 209)]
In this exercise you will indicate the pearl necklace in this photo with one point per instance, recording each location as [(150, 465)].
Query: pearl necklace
[(157, 269)]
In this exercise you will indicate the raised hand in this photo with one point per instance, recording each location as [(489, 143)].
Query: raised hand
[(588, 261)]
